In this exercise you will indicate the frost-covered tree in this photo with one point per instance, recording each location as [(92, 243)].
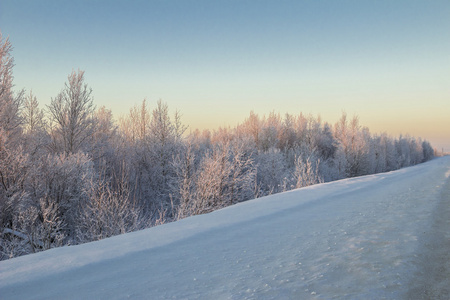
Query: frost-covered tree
[(251, 127), (35, 136), (152, 141), (242, 173), (10, 102), (183, 185), (161, 143), (306, 172), (13, 159), (403, 154), (212, 180), (416, 151), (428, 152), (377, 155), (42, 225), (62, 179), (325, 143), (33, 116), (353, 146), (270, 132), (287, 136), (271, 171), (71, 116), (14, 171), (104, 140), (134, 126), (134, 157), (226, 175), (28, 222), (81, 178), (108, 211)]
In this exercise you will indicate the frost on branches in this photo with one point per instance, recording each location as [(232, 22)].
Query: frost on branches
[(71, 174)]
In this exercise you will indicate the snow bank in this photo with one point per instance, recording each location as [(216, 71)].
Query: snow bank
[(354, 238)]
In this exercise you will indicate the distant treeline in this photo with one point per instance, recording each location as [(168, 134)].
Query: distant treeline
[(70, 174)]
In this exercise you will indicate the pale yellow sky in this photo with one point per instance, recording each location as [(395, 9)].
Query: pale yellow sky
[(215, 61)]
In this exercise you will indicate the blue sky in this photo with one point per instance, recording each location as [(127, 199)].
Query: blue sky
[(386, 61)]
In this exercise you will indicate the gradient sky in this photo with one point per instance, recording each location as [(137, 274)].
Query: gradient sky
[(215, 61)]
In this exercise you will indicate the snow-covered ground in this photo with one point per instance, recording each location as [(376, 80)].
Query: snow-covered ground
[(372, 237)]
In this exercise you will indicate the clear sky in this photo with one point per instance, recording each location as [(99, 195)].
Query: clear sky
[(215, 61)]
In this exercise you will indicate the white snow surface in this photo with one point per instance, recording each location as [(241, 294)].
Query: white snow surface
[(360, 238)]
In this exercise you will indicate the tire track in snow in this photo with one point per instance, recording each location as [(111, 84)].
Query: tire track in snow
[(432, 280)]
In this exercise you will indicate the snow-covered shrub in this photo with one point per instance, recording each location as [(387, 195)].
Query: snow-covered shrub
[(107, 211)]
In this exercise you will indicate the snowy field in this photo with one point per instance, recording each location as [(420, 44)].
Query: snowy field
[(384, 236)]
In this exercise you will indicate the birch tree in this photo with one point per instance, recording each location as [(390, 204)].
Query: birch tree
[(70, 113)]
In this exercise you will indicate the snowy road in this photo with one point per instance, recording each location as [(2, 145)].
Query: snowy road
[(384, 236)]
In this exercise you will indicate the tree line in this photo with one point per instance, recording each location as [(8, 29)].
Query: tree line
[(70, 173)]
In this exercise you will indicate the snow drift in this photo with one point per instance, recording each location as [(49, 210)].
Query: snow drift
[(364, 237)]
